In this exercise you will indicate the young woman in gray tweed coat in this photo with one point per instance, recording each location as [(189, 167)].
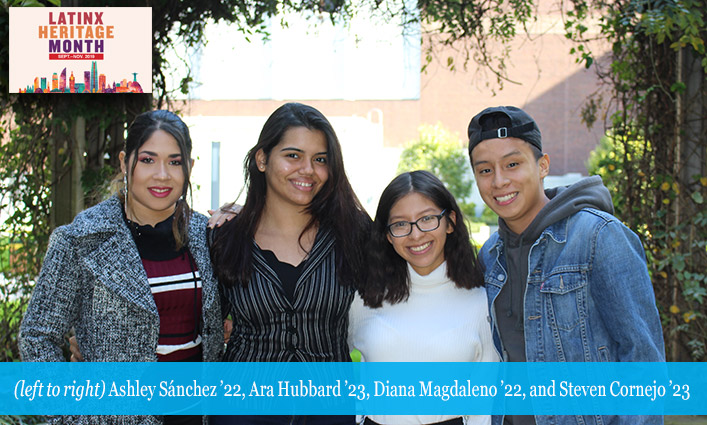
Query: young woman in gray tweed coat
[(132, 275)]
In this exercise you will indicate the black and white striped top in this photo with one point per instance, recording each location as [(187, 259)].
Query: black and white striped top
[(268, 327)]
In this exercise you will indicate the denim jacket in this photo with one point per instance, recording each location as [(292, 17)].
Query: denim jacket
[(588, 299)]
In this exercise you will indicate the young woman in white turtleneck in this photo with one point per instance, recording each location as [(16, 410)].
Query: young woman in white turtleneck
[(424, 300)]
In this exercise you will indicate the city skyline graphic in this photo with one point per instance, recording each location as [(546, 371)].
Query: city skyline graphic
[(92, 82), (80, 50)]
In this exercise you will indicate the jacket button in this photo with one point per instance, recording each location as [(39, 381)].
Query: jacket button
[(500, 277)]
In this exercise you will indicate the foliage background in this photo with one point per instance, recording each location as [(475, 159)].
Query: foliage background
[(57, 154), (654, 157), (443, 153)]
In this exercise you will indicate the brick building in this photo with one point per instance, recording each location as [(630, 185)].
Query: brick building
[(544, 80)]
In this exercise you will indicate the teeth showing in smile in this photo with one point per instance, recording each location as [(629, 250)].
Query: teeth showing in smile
[(302, 184), (420, 248), (507, 197), (160, 190)]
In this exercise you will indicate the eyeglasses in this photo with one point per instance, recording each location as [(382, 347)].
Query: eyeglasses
[(427, 223)]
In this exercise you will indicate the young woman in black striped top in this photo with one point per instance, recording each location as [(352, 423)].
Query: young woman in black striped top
[(288, 263)]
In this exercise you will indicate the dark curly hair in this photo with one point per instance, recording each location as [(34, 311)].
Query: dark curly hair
[(335, 206), (387, 271)]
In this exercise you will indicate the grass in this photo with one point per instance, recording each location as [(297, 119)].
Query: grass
[(686, 420), (21, 420)]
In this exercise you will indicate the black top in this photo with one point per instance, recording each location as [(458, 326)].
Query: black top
[(287, 273), (154, 243)]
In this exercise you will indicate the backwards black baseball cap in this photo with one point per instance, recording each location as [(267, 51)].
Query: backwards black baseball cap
[(522, 127)]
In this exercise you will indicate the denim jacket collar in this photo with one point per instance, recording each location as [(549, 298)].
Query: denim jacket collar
[(557, 232)]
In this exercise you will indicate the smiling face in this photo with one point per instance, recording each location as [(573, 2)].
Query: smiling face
[(296, 169), (510, 180), (156, 182), (424, 251)]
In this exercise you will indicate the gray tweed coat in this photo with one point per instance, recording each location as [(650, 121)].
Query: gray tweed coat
[(93, 280)]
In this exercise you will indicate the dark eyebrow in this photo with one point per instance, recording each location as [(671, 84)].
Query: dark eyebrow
[(515, 152), (423, 213), (174, 155), (300, 150), (512, 153)]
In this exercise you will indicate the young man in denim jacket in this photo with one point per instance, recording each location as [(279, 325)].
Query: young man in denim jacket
[(566, 280)]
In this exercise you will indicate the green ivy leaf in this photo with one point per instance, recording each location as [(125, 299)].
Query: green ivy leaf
[(678, 87), (588, 61)]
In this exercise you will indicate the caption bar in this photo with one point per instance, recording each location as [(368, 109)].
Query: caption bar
[(353, 388)]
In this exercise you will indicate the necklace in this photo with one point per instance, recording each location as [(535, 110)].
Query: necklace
[(134, 227)]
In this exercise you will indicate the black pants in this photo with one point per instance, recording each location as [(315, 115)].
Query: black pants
[(282, 420), (183, 420), (455, 421), (186, 419)]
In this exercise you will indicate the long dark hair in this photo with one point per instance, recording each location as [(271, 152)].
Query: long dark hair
[(139, 132), (387, 271), (335, 206)]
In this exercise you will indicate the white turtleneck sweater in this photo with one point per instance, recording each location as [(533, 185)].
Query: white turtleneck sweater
[(439, 322)]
